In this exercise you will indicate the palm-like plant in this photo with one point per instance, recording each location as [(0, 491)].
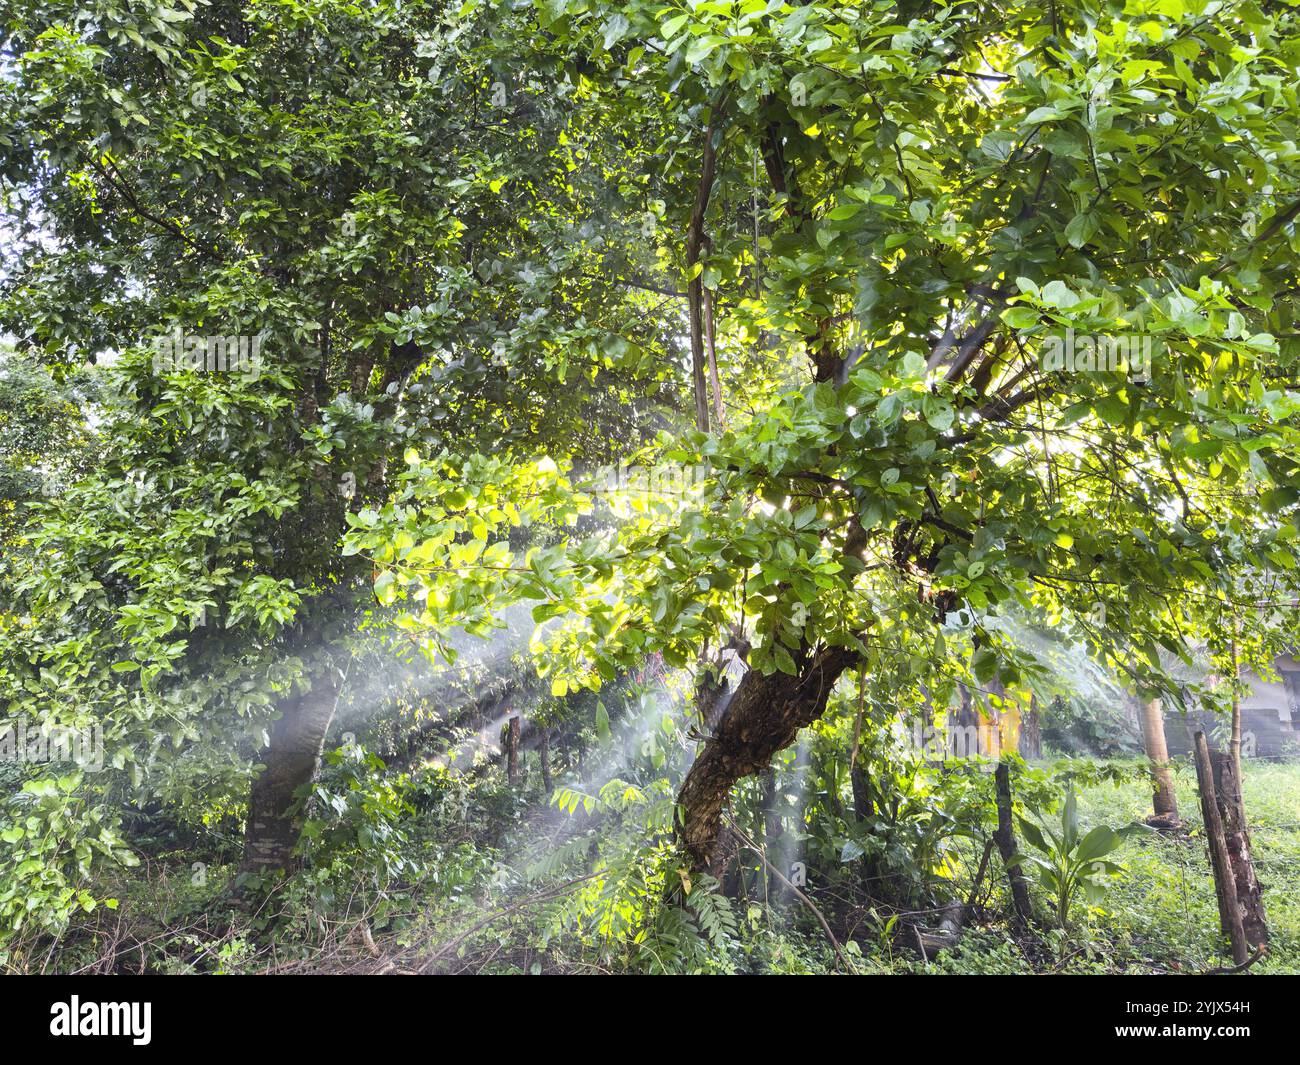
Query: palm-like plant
[(1069, 863)]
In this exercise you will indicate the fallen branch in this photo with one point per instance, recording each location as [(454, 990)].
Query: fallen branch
[(821, 919), (1236, 968)]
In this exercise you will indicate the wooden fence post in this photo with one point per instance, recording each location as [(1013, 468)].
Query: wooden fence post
[(1236, 836), (1225, 884)]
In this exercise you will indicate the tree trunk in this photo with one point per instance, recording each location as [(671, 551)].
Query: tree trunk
[(873, 881), (695, 242), (863, 807), (512, 752), (290, 759), (544, 758), (771, 828), (1005, 838), (758, 829), (719, 414), (1153, 739), (763, 717)]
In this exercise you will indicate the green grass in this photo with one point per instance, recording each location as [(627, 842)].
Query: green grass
[(1164, 908), (1160, 916)]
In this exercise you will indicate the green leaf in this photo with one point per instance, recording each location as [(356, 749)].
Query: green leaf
[(673, 26), (386, 587), (1081, 229), (1033, 835), (1097, 843)]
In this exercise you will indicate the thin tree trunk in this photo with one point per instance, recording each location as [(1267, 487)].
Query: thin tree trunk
[(711, 349), (758, 829), (863, 807), (826, 770), (1005, 838), (1153, 739), (512, 751), (771, 827), (873, 881), (763, 717), (290, 759), (544, 758), (695, 241)]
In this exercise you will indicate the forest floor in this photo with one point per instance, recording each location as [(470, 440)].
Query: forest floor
[(480, 901), (1159, 916)]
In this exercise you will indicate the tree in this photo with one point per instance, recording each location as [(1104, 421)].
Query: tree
[(1000, 300), (1164, 799), (309, 236), (1040, 298)]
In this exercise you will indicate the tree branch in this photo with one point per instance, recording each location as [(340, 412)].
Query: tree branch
[(694, 243)]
